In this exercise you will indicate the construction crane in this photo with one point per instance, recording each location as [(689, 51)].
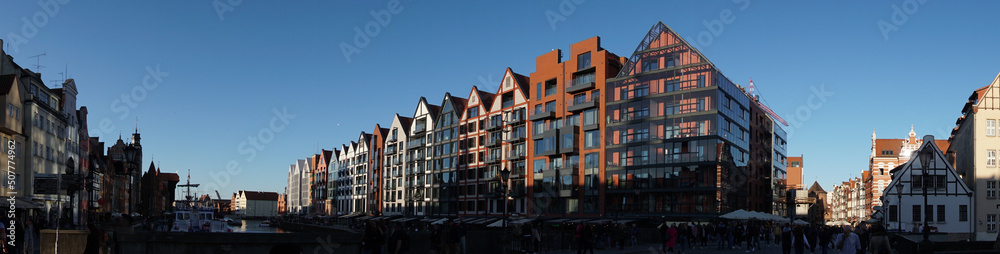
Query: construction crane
[(217, 194)]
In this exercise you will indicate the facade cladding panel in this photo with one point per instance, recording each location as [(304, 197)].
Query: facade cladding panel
[(679, 134), (565, 147)]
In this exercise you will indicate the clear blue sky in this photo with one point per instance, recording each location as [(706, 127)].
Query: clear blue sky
[(226, 75)]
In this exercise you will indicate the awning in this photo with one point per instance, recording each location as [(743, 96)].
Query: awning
[(602, 221), (521, 221), (557, 221), (22, 203), (623, 221), (487, 221)]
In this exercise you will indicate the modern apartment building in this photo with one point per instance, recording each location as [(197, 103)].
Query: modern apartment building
[(394, 166), (418, 153), (318, 186), (679, 135), (375, 167), (974, 147), (444, 159), (566, 126), (473, 178)]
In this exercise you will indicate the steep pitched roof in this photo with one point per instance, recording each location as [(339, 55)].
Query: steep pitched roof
[(485, 98), (260, 195), (405, 122), (6, 82), (816, 188), (522, 82)]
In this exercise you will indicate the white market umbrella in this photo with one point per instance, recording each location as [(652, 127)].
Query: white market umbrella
[(738, 215)]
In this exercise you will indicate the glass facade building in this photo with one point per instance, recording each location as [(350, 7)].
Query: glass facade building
[(679, 135)]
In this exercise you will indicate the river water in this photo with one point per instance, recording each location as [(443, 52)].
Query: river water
[(253, 226)]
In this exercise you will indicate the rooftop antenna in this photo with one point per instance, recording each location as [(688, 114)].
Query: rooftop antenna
[(38, 61)]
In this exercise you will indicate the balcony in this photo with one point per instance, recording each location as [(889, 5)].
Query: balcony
[(585, 102), (492, 159), (516, 117), (419, 129), (581, 83), (415, 143), (390, 151), (494, 125), (492, 141), (515, 155), (542, 115), (584, 86)]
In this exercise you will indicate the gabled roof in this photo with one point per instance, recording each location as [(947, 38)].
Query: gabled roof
[(939, 160), (6, 82), (652, 38), (326, 156), (405, 122), (260, 195), (816, 188), (485, 98)]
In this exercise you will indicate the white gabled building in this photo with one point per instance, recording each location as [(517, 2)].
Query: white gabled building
[(949, 199), (255, 204), (395, 166), (418, 150)]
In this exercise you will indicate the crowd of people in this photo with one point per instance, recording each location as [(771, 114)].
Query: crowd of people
[(753, 235)]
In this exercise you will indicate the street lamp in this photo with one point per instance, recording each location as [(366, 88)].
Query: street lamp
[(926, 158), (504, 178), (899, 207), (130, 156)]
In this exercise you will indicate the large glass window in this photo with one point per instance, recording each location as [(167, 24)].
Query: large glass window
[(650, 64), (550, 87), (583, 61), (592, 139), (590, 117)]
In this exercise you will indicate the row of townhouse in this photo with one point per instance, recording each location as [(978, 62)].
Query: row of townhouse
[(56, 170), (661, 133)]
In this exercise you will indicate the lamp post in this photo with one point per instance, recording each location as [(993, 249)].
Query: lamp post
[(899, 207), (505, 178), (130, 155), (926, 158)]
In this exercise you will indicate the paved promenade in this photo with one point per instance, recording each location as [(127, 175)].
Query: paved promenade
[(654, 249)]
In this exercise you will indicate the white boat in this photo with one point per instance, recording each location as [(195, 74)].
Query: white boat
[(197, 220), (265, 223)]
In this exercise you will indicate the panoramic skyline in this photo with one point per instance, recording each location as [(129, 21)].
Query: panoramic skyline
[(254, 86)]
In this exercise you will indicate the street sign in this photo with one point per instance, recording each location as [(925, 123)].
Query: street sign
[(45, 185)]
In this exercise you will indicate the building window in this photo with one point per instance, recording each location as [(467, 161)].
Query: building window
[(916, 213), (893, 213), (538, 90), (592, 139), (940, 214), (991, 127), (991, 189), (550, 87), (701, 80), (583, 61), (991, 158), (991, 223), (795, 164), (650, 64), (963, 213)]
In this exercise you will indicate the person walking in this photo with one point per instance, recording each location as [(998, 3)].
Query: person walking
[(799, 241), (635, 235), (848, 242), (584, 238), (786, 239), (879, 242), (671, 238), (825, 233)]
